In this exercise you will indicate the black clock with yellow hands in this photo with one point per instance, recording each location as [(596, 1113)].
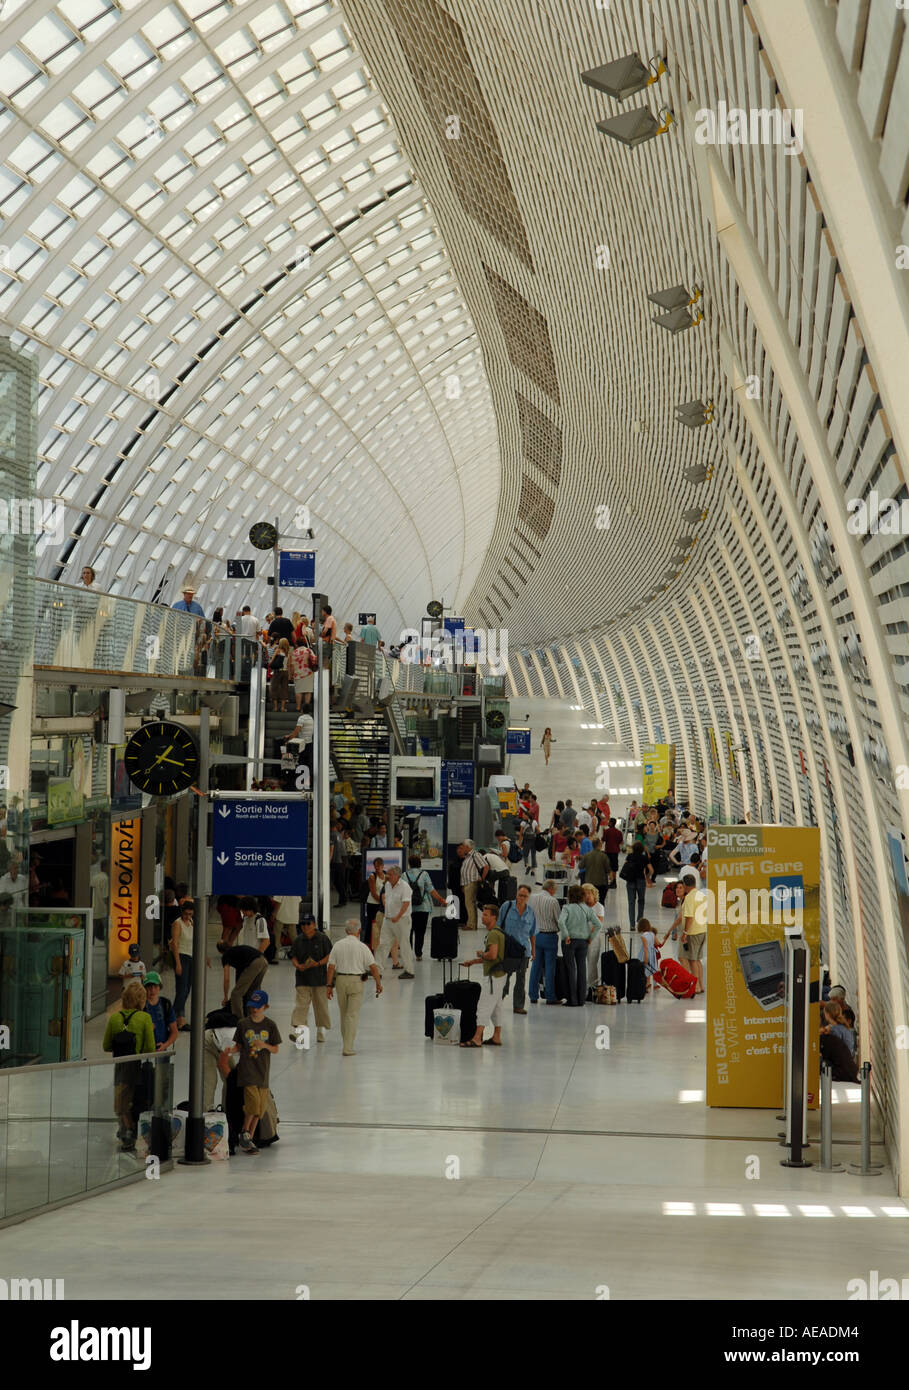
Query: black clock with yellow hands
[(162, 758)]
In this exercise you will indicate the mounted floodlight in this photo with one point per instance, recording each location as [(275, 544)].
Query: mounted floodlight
[(633, 128), (697, 473), (683, 542), (694, 414), (693, 515), (624, 77), (677, 320), (675, 298)]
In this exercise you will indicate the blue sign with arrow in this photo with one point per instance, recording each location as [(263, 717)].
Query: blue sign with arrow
[(518, 741), (259, 846), (297, 569)]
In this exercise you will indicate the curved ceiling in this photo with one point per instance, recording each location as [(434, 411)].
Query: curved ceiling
[(240, 303)]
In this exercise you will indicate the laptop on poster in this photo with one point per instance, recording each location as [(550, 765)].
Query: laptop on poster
[(763, 969)]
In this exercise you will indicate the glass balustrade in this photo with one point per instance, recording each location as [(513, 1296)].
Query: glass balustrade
[(74, 1128), (76, 629)]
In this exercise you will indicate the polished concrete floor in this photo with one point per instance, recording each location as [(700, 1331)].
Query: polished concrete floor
[(550, 1169)]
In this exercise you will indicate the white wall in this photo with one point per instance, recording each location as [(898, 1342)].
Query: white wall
[(576, 753)]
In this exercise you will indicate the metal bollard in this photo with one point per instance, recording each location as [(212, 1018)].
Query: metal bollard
[(867, 1169), (827, 1164)]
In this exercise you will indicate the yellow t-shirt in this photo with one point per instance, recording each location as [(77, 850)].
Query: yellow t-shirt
[(694, 913)]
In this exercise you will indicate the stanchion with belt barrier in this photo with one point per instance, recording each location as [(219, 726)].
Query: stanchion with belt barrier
[(866, 1169)]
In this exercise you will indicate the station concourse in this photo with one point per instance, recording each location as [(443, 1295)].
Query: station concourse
[(449, 448)]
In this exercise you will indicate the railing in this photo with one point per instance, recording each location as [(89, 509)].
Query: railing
[(409, 678), (76, 629), (60, 1127)]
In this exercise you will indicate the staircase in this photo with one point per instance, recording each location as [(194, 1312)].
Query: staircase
[(468, 727), (360, 755)]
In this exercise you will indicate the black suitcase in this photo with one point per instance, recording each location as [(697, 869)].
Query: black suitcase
[(636, 987), (464, 995), (433, 1001), (443, 939), (612, 972)]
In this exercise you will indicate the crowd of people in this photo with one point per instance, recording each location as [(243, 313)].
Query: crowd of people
[(544, 941)]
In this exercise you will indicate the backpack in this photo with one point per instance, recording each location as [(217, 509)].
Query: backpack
[(514, 854), (124, 1044), (417, 894), (670, 896)]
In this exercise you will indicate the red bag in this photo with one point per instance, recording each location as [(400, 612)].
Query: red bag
[(670, 895), (680, 983)]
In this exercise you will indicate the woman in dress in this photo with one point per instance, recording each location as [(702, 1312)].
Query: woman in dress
[(546, 741)]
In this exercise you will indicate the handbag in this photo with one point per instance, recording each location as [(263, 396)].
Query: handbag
[(617, 942)]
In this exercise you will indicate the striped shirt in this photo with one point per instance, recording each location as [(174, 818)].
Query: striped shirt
[(472, 867), (546, 910)]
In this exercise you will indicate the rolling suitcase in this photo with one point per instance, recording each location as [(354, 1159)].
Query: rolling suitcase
[(680, 982), (433, 1002), (443, 939), (612, 972), (464, 995), (636, 986)]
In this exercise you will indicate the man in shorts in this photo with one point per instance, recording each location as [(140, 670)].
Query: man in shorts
[(694, 926), (256, 1037)]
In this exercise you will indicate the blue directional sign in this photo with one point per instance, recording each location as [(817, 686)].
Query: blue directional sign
[(460, 778), (297, 569), (518, 741), (259, 846)]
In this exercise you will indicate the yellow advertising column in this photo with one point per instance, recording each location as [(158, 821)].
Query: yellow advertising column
[(659, 771), (762, 879), (124, 890)]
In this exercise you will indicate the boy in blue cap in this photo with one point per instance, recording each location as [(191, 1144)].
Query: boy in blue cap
[(256, 1038)]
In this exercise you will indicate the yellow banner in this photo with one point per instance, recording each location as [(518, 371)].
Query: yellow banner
[(714, 751), (730, 754), (659, 771), (125, 836), (761, 879)]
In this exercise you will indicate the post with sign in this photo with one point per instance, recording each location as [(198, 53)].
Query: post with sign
[(194, 1146)]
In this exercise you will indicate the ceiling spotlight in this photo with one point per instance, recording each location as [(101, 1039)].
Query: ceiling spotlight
[(693, 515), (624, 77), (698, 473), (694, 414), (633, 128), (676, 301)]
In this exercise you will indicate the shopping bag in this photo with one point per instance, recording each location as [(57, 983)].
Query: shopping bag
[(446, 1026)]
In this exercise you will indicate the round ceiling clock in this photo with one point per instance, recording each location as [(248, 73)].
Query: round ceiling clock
[(162, 758), (263, 535), (434, 608), (495, 719)]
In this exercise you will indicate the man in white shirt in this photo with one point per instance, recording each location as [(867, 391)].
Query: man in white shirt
[(396, 927), (13, 889), (247, 625), (254, 931), (350, 960)]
